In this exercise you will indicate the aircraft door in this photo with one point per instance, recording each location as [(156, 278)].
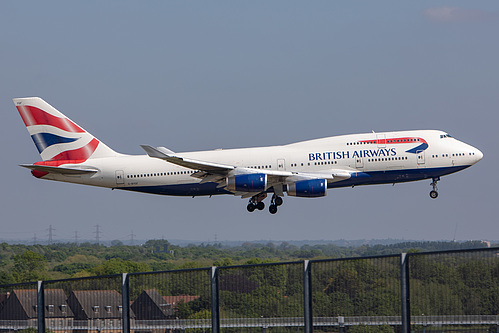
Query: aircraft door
[(281, 164), (359, 163), (120, 178), (420, 157)]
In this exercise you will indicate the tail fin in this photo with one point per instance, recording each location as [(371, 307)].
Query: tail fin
[(56, 137)]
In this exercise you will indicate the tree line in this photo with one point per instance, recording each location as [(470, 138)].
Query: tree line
[(24, 263)]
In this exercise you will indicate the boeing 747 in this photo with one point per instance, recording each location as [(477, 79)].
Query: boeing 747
[(304, 169)]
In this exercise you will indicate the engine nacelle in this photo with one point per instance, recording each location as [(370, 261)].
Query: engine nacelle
[(253, 182), (308, 188)]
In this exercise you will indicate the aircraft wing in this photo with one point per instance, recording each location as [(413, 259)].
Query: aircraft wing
[(218, 173), (168, 155)]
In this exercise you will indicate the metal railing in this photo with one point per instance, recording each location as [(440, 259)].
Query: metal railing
[(450, 290)]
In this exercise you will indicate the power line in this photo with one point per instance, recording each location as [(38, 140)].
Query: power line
[(51, 234), (97, 233), (132, 235)]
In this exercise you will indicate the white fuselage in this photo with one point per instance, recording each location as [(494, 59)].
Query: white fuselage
[(372, 158)]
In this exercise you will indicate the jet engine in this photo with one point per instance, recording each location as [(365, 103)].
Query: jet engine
[(254, 182), (312, 188)]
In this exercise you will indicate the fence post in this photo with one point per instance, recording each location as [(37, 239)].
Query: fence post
[(40, 306), (215, 311), (404, 293), (307, 297), (125, 303)]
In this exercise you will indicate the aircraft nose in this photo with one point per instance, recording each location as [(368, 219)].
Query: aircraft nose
[(478, 154)]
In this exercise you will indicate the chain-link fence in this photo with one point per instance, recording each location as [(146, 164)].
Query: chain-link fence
[(453, 291), (170, 301), (256, 297), (355, 293), (18, 307), (90, 304)]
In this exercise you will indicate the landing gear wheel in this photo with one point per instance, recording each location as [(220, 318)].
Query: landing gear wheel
[(255, 202), (273, 209), (434, 192), (276, 200)]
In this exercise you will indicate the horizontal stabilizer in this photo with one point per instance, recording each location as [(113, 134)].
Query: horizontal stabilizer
[(58, 170)]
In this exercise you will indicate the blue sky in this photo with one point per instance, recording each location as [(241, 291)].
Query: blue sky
[(195, 75)]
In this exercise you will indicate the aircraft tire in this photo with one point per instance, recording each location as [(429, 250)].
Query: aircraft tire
[(278, 201), (433, 194), (273, 209), (250, 207), (260, 206)]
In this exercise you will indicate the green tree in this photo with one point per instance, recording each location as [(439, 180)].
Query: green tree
[(345, 280), (118, 266), (73, 268), (6, 278), (223, 262), (29, 266), (116, 242)]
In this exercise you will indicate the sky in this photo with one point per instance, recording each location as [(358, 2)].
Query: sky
[(200, 75)]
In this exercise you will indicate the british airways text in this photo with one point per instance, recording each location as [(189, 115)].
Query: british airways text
[(337, 155)]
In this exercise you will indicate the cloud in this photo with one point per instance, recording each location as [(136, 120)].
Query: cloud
[(456, 14)]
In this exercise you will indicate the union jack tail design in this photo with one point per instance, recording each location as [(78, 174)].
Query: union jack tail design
[(58, 139)]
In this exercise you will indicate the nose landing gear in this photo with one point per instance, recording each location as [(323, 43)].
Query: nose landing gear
[(434, 192)]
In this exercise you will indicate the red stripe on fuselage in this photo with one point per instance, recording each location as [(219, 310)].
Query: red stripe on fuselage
[(34, 116), (396, 140)]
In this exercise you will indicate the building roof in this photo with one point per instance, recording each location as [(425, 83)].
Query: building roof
[(22, 304), (150, 305), (174, 300), (93, 304)]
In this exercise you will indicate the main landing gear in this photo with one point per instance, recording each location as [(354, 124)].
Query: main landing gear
[(274, 203), (434, 192), (256, 203)]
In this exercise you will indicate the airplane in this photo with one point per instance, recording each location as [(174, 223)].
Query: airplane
[(303, 169)]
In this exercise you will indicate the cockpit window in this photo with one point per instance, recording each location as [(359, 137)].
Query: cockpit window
[(445, 136)]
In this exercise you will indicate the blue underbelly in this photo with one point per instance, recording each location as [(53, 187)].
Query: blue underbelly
[(359, 178)]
